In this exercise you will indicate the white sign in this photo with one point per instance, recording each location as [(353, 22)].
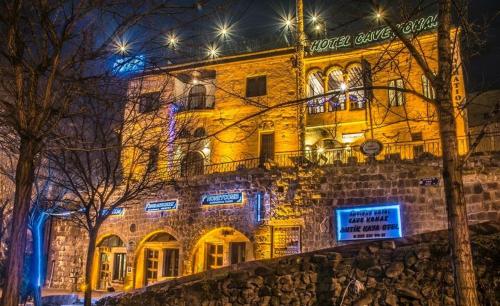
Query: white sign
[(371, 147)]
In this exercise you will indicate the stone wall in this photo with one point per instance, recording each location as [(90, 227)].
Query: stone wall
[(303, 197), (414, 271)]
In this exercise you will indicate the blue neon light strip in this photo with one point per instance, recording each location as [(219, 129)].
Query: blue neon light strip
[(38, 247), (259, 204), (369, 222)]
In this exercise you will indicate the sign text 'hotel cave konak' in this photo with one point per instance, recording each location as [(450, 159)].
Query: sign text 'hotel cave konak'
[(364, 38)]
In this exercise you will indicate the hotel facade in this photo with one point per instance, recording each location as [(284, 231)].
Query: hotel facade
[(247, 189)]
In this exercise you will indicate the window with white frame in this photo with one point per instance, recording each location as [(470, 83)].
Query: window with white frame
[(427, 89), (337, 88), (396, 94), (315, 88), (355, 86)]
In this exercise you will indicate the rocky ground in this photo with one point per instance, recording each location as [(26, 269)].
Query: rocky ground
[(411, 271)]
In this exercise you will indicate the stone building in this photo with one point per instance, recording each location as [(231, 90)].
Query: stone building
[(252, 192)]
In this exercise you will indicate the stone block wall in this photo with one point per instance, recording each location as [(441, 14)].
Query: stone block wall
[(302, 197), (415, 271)]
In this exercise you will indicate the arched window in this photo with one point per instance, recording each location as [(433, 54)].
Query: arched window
[(337, 87), (192, 164), (314, 88), (111, 255), (355, 86), (112, 241), (197, 97), (199, 132), (184, 133), (158, 259)]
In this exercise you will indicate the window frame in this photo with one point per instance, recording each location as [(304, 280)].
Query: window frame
[(394, 94), (174, 260), (257, 89), (146, 108), (427, 90)]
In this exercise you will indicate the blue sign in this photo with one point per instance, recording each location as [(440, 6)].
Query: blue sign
[(368, 222), (130, 64), (221, 199), (160, 206), (118, 211)]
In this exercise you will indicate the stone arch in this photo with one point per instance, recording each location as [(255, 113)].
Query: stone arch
[(157, 257), (218, 247), (109, 265)]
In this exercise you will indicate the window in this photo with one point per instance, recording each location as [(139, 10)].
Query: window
[(192, 164), (396, 96), (151, 266), (199, 132), (170, 262), (416, 136), (103, 271), (355, 86), (215, 253), (153, 158), (427, 90), (197, 97), (315, 88), (149, 102), (119, 267), (184, 133), (337, 87), (256, 86), (237, 252)]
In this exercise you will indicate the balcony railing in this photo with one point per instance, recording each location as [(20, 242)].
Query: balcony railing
[(414, 150)]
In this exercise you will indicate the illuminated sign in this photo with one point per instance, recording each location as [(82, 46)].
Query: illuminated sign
[(221, 199), (371, 147), (161, 206), (360, 39), (129, 64), (286, 240), (369, 222), (118, 211)]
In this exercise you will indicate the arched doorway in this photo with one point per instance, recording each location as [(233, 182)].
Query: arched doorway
[(221, 247), (111, 263), (157, 259), (192, 164)]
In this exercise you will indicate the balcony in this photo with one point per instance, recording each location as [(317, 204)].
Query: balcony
[(191, 103), (409, 151)]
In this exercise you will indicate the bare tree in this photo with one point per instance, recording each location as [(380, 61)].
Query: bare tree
[(50, 50), (113, 153)]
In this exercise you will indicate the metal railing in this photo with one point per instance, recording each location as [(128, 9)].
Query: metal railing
[(413, 150)]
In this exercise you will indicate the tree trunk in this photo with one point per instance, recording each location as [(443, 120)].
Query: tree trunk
[(465, 280), (88, 267), (22, 201)]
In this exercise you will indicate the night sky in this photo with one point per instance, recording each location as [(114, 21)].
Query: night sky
[(258, 24), (344, 17)]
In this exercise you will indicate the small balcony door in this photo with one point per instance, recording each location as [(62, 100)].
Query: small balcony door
[(266, 147)]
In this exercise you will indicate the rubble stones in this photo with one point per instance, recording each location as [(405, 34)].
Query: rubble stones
[(413, 276)]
